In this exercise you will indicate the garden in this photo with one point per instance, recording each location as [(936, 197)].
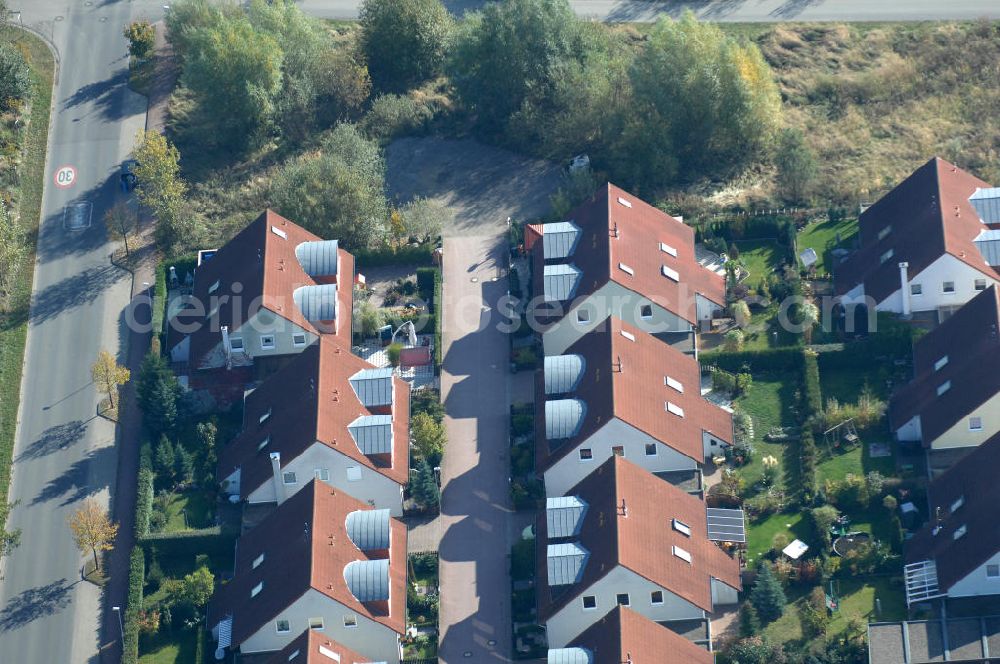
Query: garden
[(422, 602), (526, 488), (427, 443), (528, 635)]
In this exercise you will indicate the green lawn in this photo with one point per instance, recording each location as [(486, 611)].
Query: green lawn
[(189, 510), (761, 257), (822, 236), (27, 202), (761, 534), (179, 648), (856, 461), (767, 402)]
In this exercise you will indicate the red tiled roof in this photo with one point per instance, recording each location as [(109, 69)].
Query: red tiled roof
[(258, 269), (296, 541), (642, 541), (930, 215), (973, 479), (311, 400), (305, 649), (636, 394), (613, 233), (625, 635), (970, 338)]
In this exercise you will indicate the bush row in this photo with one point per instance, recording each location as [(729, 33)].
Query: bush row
[(421, 254), (757, 362), (143, 502), (813, 394), (214, 541), (133, 606), (438, 316)]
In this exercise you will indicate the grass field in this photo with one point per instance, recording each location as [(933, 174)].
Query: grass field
[(28, 204), (761, 534), (179, 648), (767, 402), (761, 258), (822, 236), (189, 510)]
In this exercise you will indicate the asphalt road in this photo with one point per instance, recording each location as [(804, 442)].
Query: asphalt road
[(63, 453), (729, 10)]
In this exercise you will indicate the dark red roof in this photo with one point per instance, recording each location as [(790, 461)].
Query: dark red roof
[(312, 647), (311, 400), (640, 538), (298, 556), (930, 215), (974, 480), (624, 378), (970, 340), (625, 635), (258, 269), (613, 233)]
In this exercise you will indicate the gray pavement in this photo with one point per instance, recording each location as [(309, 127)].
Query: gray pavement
[(476, 519), (63, 453)]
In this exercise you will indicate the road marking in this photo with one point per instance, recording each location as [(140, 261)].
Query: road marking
[(76, 217), (64, 177)]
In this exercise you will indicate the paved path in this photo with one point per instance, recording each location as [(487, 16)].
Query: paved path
[(475, 513)]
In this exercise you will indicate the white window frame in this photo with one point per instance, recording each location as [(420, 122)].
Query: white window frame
[(979, 284), (643, 308), (322, 474), (256, 590), (263, 444), (622, 201), (582, 316), (264, 418), (583, 602), (215, 286), (916, 290), (944, 287), (941, 363), (236, 343), (943, 387), (652, 597), (314, 621), (264, 344), (673, 408), (618, 599), (257, 561), (627, 269), (667, 249), (996, 569), (957, 504), (975, 423), (674, 383), (589, 450), (655, 450), (616, 448), (884, 233), (886, 256), (350, 620), (670, 273), (286, 474), (683, 554), (298, 339), (280, 233), (277, 626), (354, 473), (681, 527), (959, 532)]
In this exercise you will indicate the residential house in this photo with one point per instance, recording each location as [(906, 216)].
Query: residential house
[(930, 244), (957, 553), (622, 392), (327, 414), (618, 256), (624, 537), (624, 635), (271, 291), (321, 561), (954, 397), (313, 647)]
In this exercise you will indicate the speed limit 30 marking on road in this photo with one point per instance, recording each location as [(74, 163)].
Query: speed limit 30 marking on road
[(64, 177)]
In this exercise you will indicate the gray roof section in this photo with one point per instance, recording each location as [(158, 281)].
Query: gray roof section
[(373, 386), (372, 434), (987, 204), (988, 243), (369, 529), (726, 525), (563, 418), (570, 656), (563, 373), (565, 563), (368, 580), (560, 282), (317, 303), (559, 240), (318, 259), (564, 516)]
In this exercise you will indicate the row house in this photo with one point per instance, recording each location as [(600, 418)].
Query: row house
[(619, 391), (953, 400), (929, 245), (622, 537), (328, 415), (617, 256), (270, 292), (321, 561), (312, 646)]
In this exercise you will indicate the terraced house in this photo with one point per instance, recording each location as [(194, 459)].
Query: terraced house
[(622, 537), (617, 256), (328, 415), (270, 292), (321, 561), (623, 393), (929, 245)]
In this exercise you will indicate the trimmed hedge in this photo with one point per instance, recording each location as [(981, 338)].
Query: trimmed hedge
[(409, 255), (770, 360), (425, 282), (438, 316), (133, 605), (143, 502), (810, 378), (212, 541)]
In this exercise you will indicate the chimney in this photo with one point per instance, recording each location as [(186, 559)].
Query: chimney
[(628, 658), (227, 345), (279, 486), (904, 287), (624, 509)]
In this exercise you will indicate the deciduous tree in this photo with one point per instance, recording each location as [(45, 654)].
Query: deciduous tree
[(160, 186), (141, 36), (93, 530), (405, 41), (796, 164), (120, 221), (428, 437), (108, 375), (198, 586)]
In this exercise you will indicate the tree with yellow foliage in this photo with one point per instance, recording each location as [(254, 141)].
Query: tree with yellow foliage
[(93, 530), (108, 375)]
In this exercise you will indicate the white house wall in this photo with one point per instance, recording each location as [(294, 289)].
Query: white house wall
[(370, 639), (566, 473), (573, 619), (959, 435), (612, 299), (712, 444), (931, 278), (262, 323), (910, 431), (723, 594), (705, 307), (373, 487), (977, 583)]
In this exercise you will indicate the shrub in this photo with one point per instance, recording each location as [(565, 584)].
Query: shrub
[(813, 395), (522, 560), (814, 614), (850, 494), (404, 41), (143, 502), (765, 361), (425, 283), (749, 620), (15, 76), (428, 437), (141, 36), (393, 353), (822, 519), (423, 487), (392, 116), (133, 606), (767, 596), (427, 401), (733, 340), (807, 465), (796, 164)]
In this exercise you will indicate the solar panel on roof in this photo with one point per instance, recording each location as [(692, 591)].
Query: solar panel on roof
[(725, 525)]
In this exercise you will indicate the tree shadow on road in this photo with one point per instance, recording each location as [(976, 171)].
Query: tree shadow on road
[(107, 96), (84, 478), (73, 291), (54, 439), (35, 603)]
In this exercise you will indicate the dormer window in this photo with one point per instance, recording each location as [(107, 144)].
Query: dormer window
[(670, 273), (682, 527), (682, 554), (884, 233), (942, 361), (667, 249), (959, 532), (675, 409), (943, 387)]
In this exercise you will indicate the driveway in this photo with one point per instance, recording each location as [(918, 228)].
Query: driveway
[(476, 519)]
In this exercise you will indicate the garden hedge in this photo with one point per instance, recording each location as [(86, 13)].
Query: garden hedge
[(810, 378), (438, 316), (409, 255), (758, 362), (213, 541), (425, 282), (133, 605), (143, 502)]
